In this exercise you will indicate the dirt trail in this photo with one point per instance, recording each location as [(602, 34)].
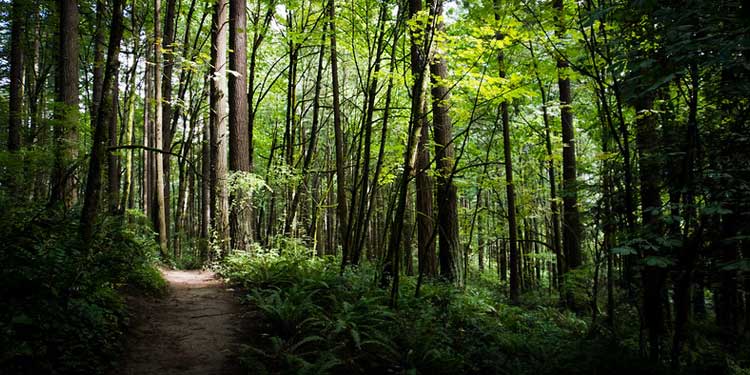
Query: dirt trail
[(194, 330)]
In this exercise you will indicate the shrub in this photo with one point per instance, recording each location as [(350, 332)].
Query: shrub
[(62, 311)]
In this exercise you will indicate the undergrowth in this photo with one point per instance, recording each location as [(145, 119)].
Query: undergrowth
[(316, 320), (62, 305)]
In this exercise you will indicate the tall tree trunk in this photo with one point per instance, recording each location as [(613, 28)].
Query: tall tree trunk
[(509, 185), (552, 175), (166, 105), (219, 131), (66, 131), (313, 137), (239, 147), (129, 132), (147, 189), (450, 251), (126, 200), (341, 209), (691, 238), (653, 276), (571, 221), (94, 180), (368, 190), (98, 68), (113, 162), (424, 214), (161, 214), (15, 111)]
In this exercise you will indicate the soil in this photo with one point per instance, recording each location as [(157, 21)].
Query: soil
[(195, 329)]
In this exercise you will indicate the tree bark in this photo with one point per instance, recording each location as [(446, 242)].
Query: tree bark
[(66, 131), (94, 180), (219, 131), (341, 209), (653, 276), (509, 185), (449, 251), (240, 217), (161, 215), (426, 254), (15, 111), (166, 105), (571, 220)]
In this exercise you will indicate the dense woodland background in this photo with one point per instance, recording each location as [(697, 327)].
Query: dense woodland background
[(480, 186)]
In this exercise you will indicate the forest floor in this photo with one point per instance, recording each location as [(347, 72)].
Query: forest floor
[(193, 330)]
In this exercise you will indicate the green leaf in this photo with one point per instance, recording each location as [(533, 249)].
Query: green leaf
[(623, 250), (22, 319), (657, 261), (738, 265)]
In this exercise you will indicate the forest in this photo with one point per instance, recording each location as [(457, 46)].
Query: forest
[(375, 187)]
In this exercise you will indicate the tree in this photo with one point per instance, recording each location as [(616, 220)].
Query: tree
[(219, 132), (240, 217), (418, 54), (16, 77), (91, 200), (510, 189), (161, 213), (341, 209), (66, 131), (450, 251)]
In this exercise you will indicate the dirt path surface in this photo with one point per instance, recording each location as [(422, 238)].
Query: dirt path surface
[(194, 330)]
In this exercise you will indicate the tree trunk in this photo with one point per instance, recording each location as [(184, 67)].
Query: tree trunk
[(424, 213), (450, 251), (239, 146), (66, 132), (94, 180), (161, 214), (571, 225), (509, 186), (653, 276), (166, 105), (219, 131), (15, 111), (341, 209)]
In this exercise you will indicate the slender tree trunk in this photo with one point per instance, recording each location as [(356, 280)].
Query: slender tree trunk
[(341, 209), (313, 138), (552, 175), (127, 191), (66, 132), (691, 238), (424, 214), (653, 276), (450, 251), (166, 106), (94, 180), (239, 146), (219, 126), (571, 225), (510, 191), (480, 233), (129, 129), (161, 214), (15, 111), (369, 190), (113, 162), (98, 68)]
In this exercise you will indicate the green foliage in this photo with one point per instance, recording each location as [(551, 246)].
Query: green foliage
[(62, 310), (317, 320)]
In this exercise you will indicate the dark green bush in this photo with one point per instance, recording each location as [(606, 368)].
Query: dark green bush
[(62, 309), (317, 320)]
